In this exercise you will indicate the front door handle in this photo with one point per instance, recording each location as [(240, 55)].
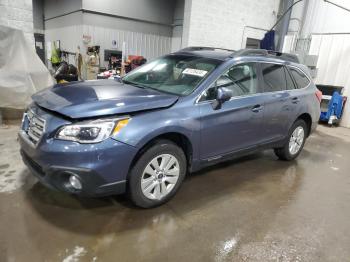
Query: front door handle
[(295, 100), (257, 108)]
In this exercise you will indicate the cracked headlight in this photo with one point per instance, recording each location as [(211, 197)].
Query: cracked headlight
[(93, 131)]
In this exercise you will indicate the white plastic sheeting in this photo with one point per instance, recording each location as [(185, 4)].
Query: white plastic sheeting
[(333, 65), (22, 73), (324, 17), (328, 27)]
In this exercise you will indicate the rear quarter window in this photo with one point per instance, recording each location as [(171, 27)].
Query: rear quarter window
[(299, 77), (289, 80)]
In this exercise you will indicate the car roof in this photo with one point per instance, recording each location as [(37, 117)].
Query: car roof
[(225, 54)]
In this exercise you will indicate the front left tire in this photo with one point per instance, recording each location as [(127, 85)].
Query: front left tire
[(157, 174)]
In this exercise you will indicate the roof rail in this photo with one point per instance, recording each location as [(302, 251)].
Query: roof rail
[(252, 52), (285, 56), (199, 48), (264, 52)]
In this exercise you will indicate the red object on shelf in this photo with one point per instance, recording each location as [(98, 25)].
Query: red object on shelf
[(135, 61)]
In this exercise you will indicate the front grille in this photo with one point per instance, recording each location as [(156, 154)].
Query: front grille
[(33, 126)]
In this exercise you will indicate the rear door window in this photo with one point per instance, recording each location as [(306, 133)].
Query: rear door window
[(274, 77), (300, 78)]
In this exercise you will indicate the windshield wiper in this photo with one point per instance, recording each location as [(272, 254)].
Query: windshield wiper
[(133, 84)]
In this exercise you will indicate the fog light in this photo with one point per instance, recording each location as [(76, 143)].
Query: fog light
[(75, 182)]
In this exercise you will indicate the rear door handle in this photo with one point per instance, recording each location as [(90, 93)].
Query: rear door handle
[(257, 108), (295, 100)]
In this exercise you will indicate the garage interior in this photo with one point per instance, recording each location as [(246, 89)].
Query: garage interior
[(254, 208)]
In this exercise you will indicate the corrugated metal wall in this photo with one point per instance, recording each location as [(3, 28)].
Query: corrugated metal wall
[(147, 45), (70, 36)]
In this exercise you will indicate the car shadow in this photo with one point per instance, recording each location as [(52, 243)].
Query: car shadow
[(90, 216)]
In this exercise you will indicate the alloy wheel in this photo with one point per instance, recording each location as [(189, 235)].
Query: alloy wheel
[(296, 140), (160, 176)]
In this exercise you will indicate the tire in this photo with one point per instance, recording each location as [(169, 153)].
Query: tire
[(157, 174), (286, 153)]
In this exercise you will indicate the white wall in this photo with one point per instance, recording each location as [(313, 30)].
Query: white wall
[(18, 14), (223, 23)]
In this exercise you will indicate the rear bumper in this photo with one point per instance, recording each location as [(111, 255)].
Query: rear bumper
[(101, 168)]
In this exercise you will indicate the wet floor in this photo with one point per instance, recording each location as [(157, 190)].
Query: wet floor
[(252, 209)]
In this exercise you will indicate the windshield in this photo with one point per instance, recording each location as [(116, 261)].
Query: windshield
[(176, 74)]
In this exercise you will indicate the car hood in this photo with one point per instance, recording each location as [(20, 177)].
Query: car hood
[(102, 97)]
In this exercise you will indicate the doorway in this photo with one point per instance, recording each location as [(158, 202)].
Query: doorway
[(252, 43)]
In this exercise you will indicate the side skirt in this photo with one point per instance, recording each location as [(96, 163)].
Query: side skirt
[(234, 155)]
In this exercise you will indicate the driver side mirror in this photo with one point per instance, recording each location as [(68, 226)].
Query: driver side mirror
[(223, 94)]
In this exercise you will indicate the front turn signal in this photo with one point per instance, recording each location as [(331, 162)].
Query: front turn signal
[(120, 125)]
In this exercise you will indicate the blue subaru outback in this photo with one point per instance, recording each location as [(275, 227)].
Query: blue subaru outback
[(174, 115)]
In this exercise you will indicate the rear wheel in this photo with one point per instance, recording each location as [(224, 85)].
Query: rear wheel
[(294, 143), (157, 174)]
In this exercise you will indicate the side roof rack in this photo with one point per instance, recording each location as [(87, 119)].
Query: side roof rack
[(285, 56), (200, 48), (250, 52), (269, 53)]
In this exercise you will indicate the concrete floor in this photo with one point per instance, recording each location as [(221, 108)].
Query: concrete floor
[(252, 209)]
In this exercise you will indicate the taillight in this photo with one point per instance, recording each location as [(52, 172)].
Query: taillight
[(318, 94)]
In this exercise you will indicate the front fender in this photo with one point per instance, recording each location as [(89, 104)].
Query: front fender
[(146, 126)]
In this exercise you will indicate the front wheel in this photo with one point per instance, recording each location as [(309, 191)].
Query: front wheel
[(294, 143), (157, 174)]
